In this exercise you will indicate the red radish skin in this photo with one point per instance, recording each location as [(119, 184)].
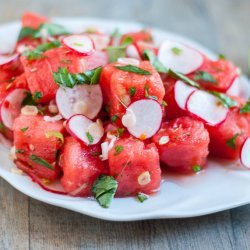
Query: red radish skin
[(81, 44), (81, 165), (187, 144), (135, 159)]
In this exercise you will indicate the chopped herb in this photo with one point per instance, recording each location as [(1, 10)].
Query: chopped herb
[(147, 94), (106, 108), (55, 134), (205, 77), (90, 137), (104, 189), (232, 141), (49, 29), (28, 100), (2, 127), (132, 91), (180, 76), (120, 51), (19, 151), (120, 132), (133, 69), (118, 149), (225, 100), (245, 108), (37, 53), (149, 55), (41, 161), (37, 95), (196, 168), (221, 56), (164, 103), (95, 153), (176, 51), (66, 79), (24, 129), (142, 197), (114, 118)]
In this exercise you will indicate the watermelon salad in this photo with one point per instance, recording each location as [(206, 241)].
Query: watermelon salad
[(106, 114)]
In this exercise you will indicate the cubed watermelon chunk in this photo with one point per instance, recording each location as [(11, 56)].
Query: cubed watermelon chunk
[(33, 20), (183, 144)]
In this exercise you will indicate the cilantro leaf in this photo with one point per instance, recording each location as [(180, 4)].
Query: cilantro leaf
[(66, 79), (232, 141), (41, 161), (149, 55), (225, 100), (133, 69), (104, 189), (180, 76), (204, 76)]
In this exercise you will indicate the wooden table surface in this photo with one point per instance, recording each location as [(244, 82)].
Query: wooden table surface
[(222, 25)]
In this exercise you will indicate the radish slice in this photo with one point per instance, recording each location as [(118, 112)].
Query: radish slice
[(240, 87), (179, 57), (82, 99), (234, 89), (127, 60), (131, 51), (181, 92), (11, 106), (79, 126), (80, 43), (7, 59), (101, 41), (245, 153), (143, 118), (206, 107)]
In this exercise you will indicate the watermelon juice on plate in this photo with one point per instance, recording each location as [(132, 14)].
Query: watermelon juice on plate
[(107, 114)]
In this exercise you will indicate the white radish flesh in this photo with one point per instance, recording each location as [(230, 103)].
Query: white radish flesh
[(179, 57), (11, 106), (78, 126), (80, 43), (245, 153), (101, 41), (7, 59), (131, 51), (128, 61), (240, 87), (148, 118), (206, 107), (71, 101), (181, 92)]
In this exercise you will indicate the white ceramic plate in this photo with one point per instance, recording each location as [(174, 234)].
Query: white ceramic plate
[(222, 186)]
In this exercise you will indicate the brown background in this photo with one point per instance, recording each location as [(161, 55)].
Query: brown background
[(222, 25)]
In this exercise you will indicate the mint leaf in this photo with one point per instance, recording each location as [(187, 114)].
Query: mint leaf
[(118, 149), (225, 100), (90, 137), (142, 197), (176, 51), (245, 108), (205, 77), (104, 189), (133, 69), (41, 161), (232, 141), (196, 168)]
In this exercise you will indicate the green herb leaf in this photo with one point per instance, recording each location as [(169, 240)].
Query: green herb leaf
[(127, 41), (37, 52), (132, 91), (19, 151), (142, 197), (90, 137), (196, 168), (164, 104), (2, 128), (24, 129), (221, 57), (118, 149), (115, 33), (114, 118), (41, 161), (55, 134), (147, 94), (232, 141), (149, 55), (176, 51), (120, 132), (28, 100), (104, 189), (26, 32), (133, 69), (245, 108), (225, 100), (38, 95), (180, 76), (65, 79), (204, 76)]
